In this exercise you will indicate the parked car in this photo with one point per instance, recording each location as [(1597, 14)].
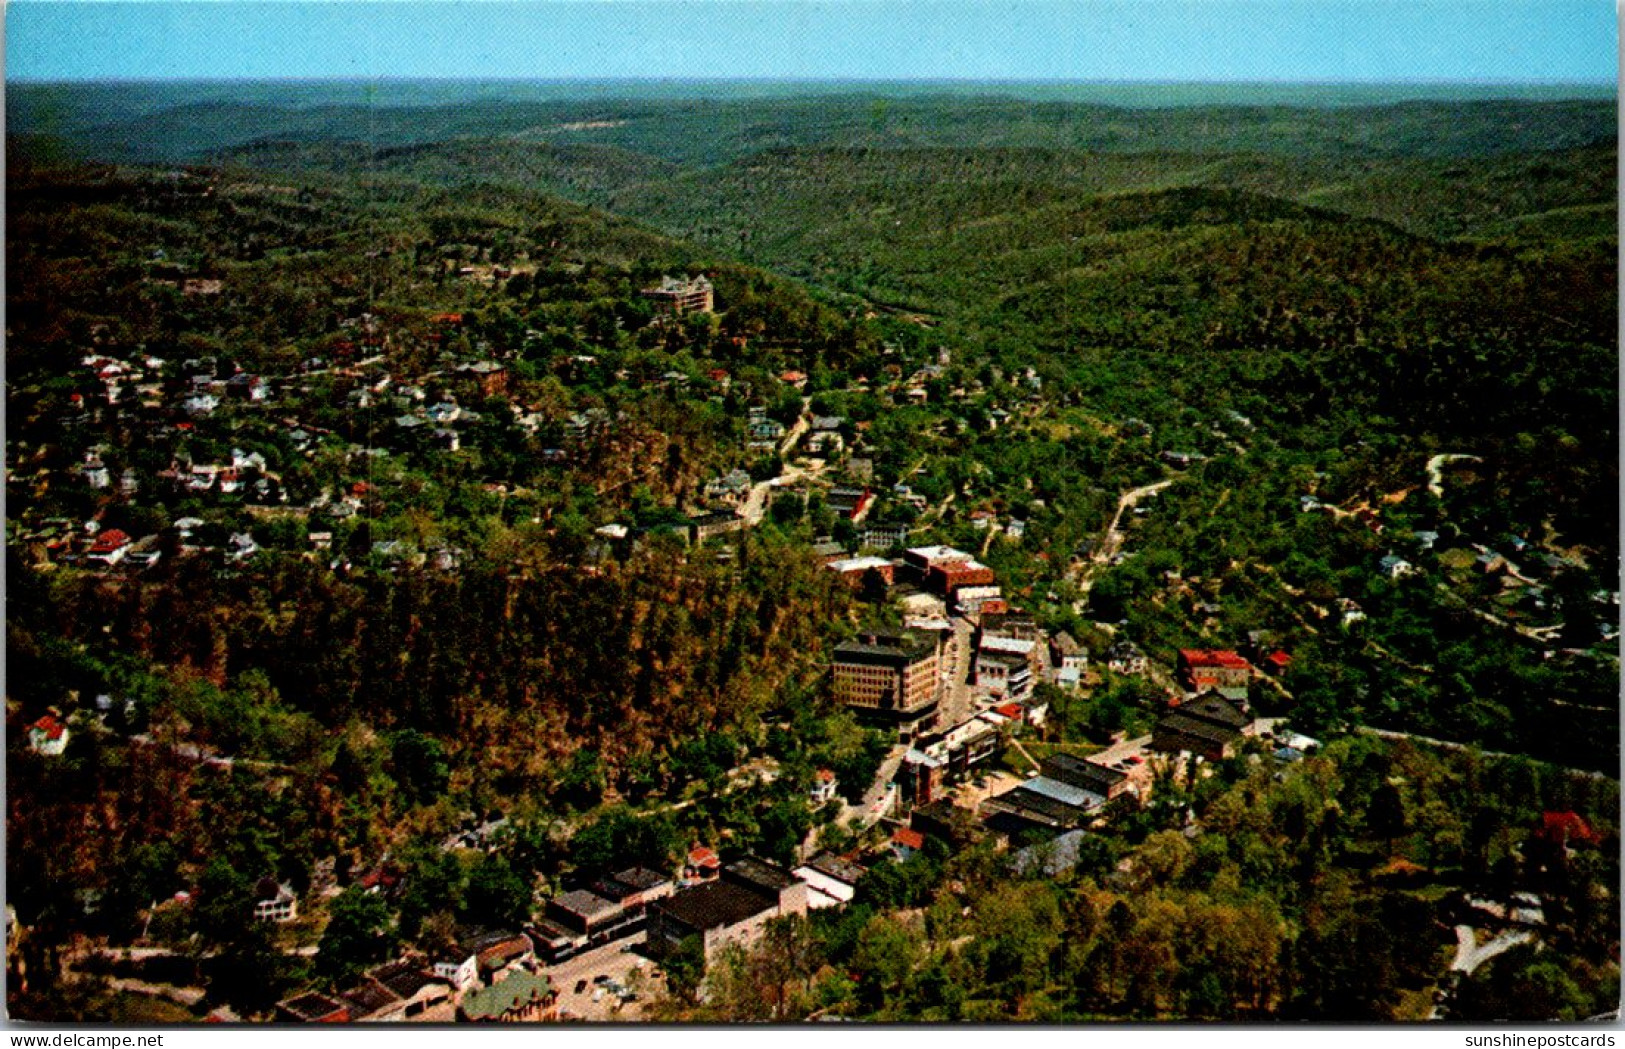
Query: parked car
[(581, 985)]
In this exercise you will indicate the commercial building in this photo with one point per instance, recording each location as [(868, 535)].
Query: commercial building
[(733, 909), (891, 676)]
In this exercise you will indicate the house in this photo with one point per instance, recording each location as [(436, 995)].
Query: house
[(246, 387), (1018, 626), (703, 864), (731, 486), (1566, 829), (48, 736), (1203, 669), (498, 950), (708, 526), (1125, 657), (241, 547), (764, 435), (823, 789), (1040, 804), (371, 1002), (459, 968), (635, 888), (1210, 726), (312, 1008), (731, 909), (851, 503), (831, 881), (978, 601), (1395, 567), (109, 547), (95, 472), (1067, 655), (423, 996), (490, 377), (964, 745), (945, 570), (905, 843), (1277, 662), (885, 536), (275, 901), (524, 997)]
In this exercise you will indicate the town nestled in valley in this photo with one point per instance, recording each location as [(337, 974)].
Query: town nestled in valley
[(804, 555)]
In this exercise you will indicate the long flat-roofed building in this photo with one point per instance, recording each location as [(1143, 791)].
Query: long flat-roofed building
[(733, 909)]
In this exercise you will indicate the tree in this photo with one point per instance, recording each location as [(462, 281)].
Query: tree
[(497, 895), (886, 952), (224, 910), (420, 766), (358, 934)]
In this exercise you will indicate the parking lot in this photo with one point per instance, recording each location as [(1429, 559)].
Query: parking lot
[(594, 972)]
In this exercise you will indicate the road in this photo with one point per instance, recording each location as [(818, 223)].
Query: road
[(1436, 470), (755, 505), (800, 427), (1112, 544), (1445, 744), (1470, 955), (874, 803)]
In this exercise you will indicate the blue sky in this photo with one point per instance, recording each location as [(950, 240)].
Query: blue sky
[(1162, 40)]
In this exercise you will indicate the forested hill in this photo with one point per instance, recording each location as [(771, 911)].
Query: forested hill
[(185, 124)]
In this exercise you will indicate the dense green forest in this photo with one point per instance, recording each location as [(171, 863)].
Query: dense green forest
[(1318, 339)]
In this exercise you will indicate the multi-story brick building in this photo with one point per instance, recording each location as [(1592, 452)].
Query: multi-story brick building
[(1202, 669), (891, 676), (675, 296)]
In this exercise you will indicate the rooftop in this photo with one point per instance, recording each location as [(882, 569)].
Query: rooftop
[(587, 904), (760, 873), (715, 904), (517, 991), (833, 866)]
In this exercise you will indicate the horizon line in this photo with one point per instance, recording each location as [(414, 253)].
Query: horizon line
[(1596, 82)]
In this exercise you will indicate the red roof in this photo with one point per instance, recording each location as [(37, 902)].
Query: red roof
[(826, 776), (717, 374), (49, 725), (1279, 659), (703, 856), (793, 376), (1202, 657), (1009, 710), (909, 839), (109, 541), (1567, 827), (448, 318)]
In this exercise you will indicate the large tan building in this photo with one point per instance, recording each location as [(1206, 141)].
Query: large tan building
[(677, 295), (732, 909), (893, 676)]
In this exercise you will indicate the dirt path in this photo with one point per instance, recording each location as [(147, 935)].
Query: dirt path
[(1113, 541), (1436, 470)]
